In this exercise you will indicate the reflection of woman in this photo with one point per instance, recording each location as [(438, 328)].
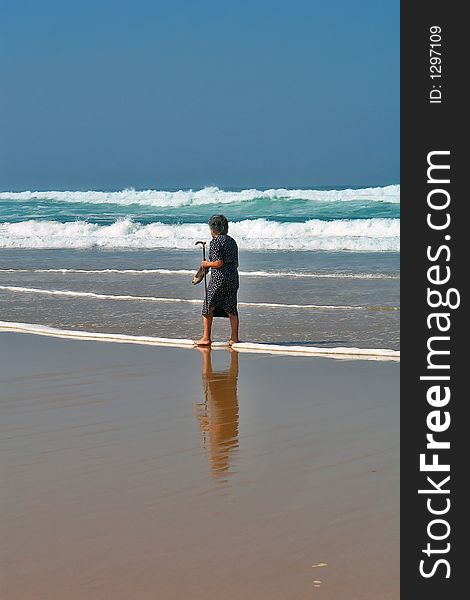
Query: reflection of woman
[(218, 415)]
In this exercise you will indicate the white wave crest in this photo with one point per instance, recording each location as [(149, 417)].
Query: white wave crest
[(259, 234), (207, 195)]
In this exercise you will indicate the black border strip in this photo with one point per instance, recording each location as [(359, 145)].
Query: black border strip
[(428, 127)]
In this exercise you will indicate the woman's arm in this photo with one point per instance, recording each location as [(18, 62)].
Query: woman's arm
[(216, 264)]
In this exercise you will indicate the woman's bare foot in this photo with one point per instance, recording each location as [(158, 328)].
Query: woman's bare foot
[(203, 342), (232, 342)]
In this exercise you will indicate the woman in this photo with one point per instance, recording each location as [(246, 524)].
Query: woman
[(223, 285)]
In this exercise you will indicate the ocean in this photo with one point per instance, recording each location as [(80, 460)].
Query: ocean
[(318, 267)]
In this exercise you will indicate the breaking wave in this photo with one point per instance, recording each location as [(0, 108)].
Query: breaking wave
[(260, 234), (208, 195)]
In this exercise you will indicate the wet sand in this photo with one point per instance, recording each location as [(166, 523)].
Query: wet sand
[(164, 473)]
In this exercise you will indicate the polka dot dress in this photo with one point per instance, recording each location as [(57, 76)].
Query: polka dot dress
[(223, 285)]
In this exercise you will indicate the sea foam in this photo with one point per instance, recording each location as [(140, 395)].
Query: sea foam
[(99, 296), (207, 195), (264, 348), (258, 234), (185, 272)]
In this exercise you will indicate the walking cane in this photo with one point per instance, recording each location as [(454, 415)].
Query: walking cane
[(205, 273)]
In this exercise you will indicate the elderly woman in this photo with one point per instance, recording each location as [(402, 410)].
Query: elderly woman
[(223, 285)]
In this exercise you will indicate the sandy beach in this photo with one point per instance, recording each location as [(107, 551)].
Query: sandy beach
[(145, 472)]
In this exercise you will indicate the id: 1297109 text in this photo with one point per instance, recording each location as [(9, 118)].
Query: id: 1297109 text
[(435, 64)]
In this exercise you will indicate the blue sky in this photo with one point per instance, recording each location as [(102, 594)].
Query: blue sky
[(162, 94)]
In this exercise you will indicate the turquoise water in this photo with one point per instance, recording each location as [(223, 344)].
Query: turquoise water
[(281, 210), (317, 266), (362, 219)]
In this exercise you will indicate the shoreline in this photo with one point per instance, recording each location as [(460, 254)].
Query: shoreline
[(297, 350)]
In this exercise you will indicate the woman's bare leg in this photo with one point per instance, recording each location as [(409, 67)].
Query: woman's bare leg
[(206, 336), (234, 327)]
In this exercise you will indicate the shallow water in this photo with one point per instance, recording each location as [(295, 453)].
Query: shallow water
[(326, 298)]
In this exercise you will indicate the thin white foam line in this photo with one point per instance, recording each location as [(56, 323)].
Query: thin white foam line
[(342, 352), (189, 272), (94, 295), (104, 271), (12, 288)]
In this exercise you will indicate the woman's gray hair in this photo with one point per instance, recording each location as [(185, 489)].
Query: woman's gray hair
[(218, 224)]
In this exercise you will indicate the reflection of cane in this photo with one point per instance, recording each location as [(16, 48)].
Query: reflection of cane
[(205, 271)]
